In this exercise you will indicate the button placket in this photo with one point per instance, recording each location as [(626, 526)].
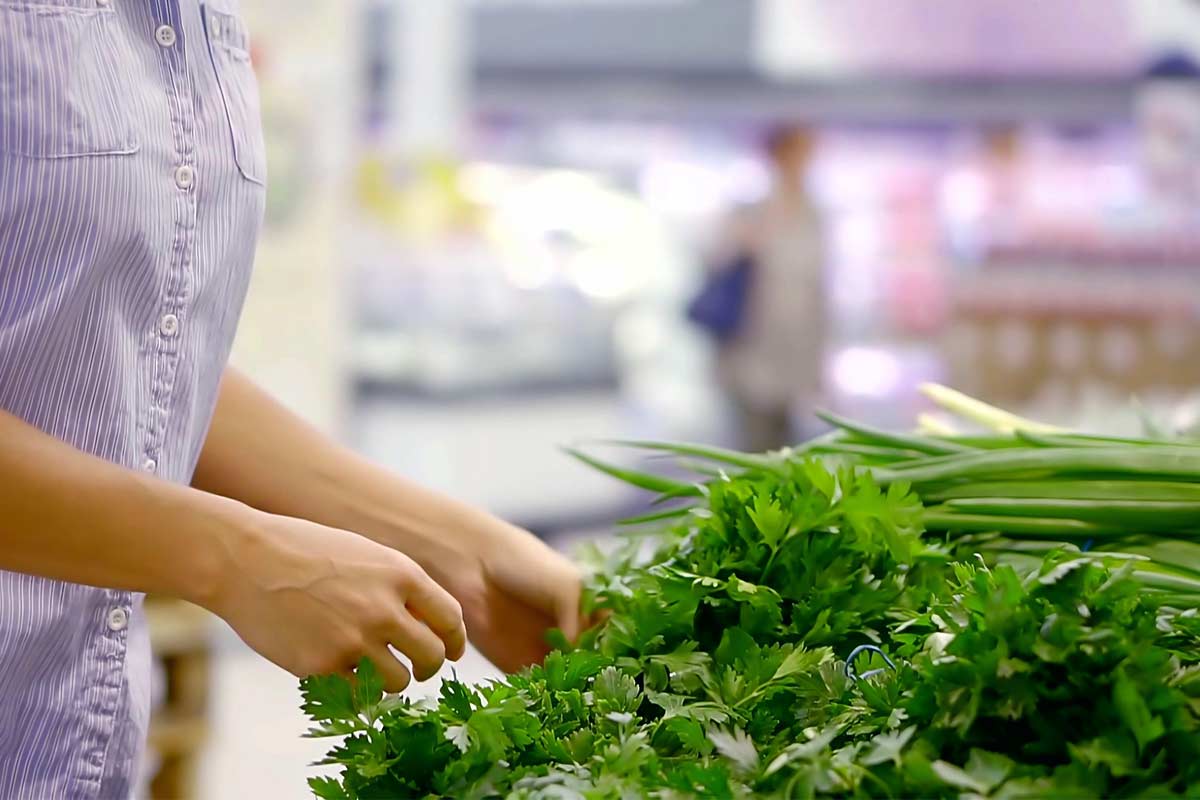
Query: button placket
[(166, 331)]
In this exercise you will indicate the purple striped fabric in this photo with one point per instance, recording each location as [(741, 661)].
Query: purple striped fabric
[(131, 194)]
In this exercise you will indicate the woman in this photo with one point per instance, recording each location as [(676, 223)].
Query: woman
[(133, 460), (772, 367)]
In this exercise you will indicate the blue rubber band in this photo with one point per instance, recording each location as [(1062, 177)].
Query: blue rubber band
[(858, 651)]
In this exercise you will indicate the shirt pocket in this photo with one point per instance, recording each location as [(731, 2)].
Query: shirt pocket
[(229, 49), (60, 64)]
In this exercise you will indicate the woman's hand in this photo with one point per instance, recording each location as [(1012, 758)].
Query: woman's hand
[(513, 589), (316, 600)]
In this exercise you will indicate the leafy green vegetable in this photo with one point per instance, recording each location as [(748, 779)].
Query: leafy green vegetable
[(1018, 665), (720, 671)]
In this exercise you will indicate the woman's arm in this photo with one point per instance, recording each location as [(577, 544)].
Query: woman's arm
[(310, 598), (512, 586), (73, 517), (263, 455)]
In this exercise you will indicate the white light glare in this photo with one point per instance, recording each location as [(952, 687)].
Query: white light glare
[(866, 372)]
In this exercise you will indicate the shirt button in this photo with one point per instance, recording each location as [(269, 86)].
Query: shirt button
[(168, 325), (165, 35), (118, 619), (102, 3), (185, 176), (149, 465)]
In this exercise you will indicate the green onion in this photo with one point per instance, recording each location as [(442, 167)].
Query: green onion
[(1144, 491), (938, 518), (715, 454), (1087, 440), (642, 480), (1162, 461), (996, 419), (922, 444), (1138, 514)]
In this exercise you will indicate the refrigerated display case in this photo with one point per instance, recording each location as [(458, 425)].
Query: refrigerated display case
[(1093, 285)]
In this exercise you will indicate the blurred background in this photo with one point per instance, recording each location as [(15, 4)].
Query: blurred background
[(495, 227)]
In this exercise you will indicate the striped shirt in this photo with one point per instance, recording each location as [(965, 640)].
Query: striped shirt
[(131, 195)]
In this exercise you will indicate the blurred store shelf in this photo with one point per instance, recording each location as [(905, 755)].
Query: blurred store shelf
[(727, 97), (502, 453)]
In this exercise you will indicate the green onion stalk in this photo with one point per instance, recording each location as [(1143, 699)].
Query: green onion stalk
[(1012, 490)]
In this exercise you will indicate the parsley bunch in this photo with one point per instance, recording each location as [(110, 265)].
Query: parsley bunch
[(720, 671), (1066, 683), (797, 555)]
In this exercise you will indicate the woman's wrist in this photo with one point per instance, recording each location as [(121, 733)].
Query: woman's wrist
[(442, 540), (224, 535), (441, 534)]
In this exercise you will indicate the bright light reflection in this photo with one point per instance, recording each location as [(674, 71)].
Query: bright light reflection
[(487, 184), (528, 268), (600, 275), (681, 188), (866, 372)]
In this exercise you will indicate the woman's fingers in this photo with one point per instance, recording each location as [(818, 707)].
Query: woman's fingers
[(441, 614), (543, 578), (569, 617), (512, 635), (423, 648), (396, 677)]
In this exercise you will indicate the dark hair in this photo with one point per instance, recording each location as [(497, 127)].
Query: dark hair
[(779, 135)]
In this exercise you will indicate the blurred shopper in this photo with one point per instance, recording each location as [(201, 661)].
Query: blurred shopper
[(132, 460), (983, 198), (765, 301), (1168, 106)]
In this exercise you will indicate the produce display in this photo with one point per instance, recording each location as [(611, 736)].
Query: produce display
[(1006, 614)]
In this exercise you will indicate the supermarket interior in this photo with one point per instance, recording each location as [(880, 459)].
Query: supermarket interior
[(489, 221)]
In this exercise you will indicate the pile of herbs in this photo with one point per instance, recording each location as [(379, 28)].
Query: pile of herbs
[(722, 667)]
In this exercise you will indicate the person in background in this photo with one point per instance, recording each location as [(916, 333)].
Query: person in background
[(133, 460), (982, 197), (771, 368)]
